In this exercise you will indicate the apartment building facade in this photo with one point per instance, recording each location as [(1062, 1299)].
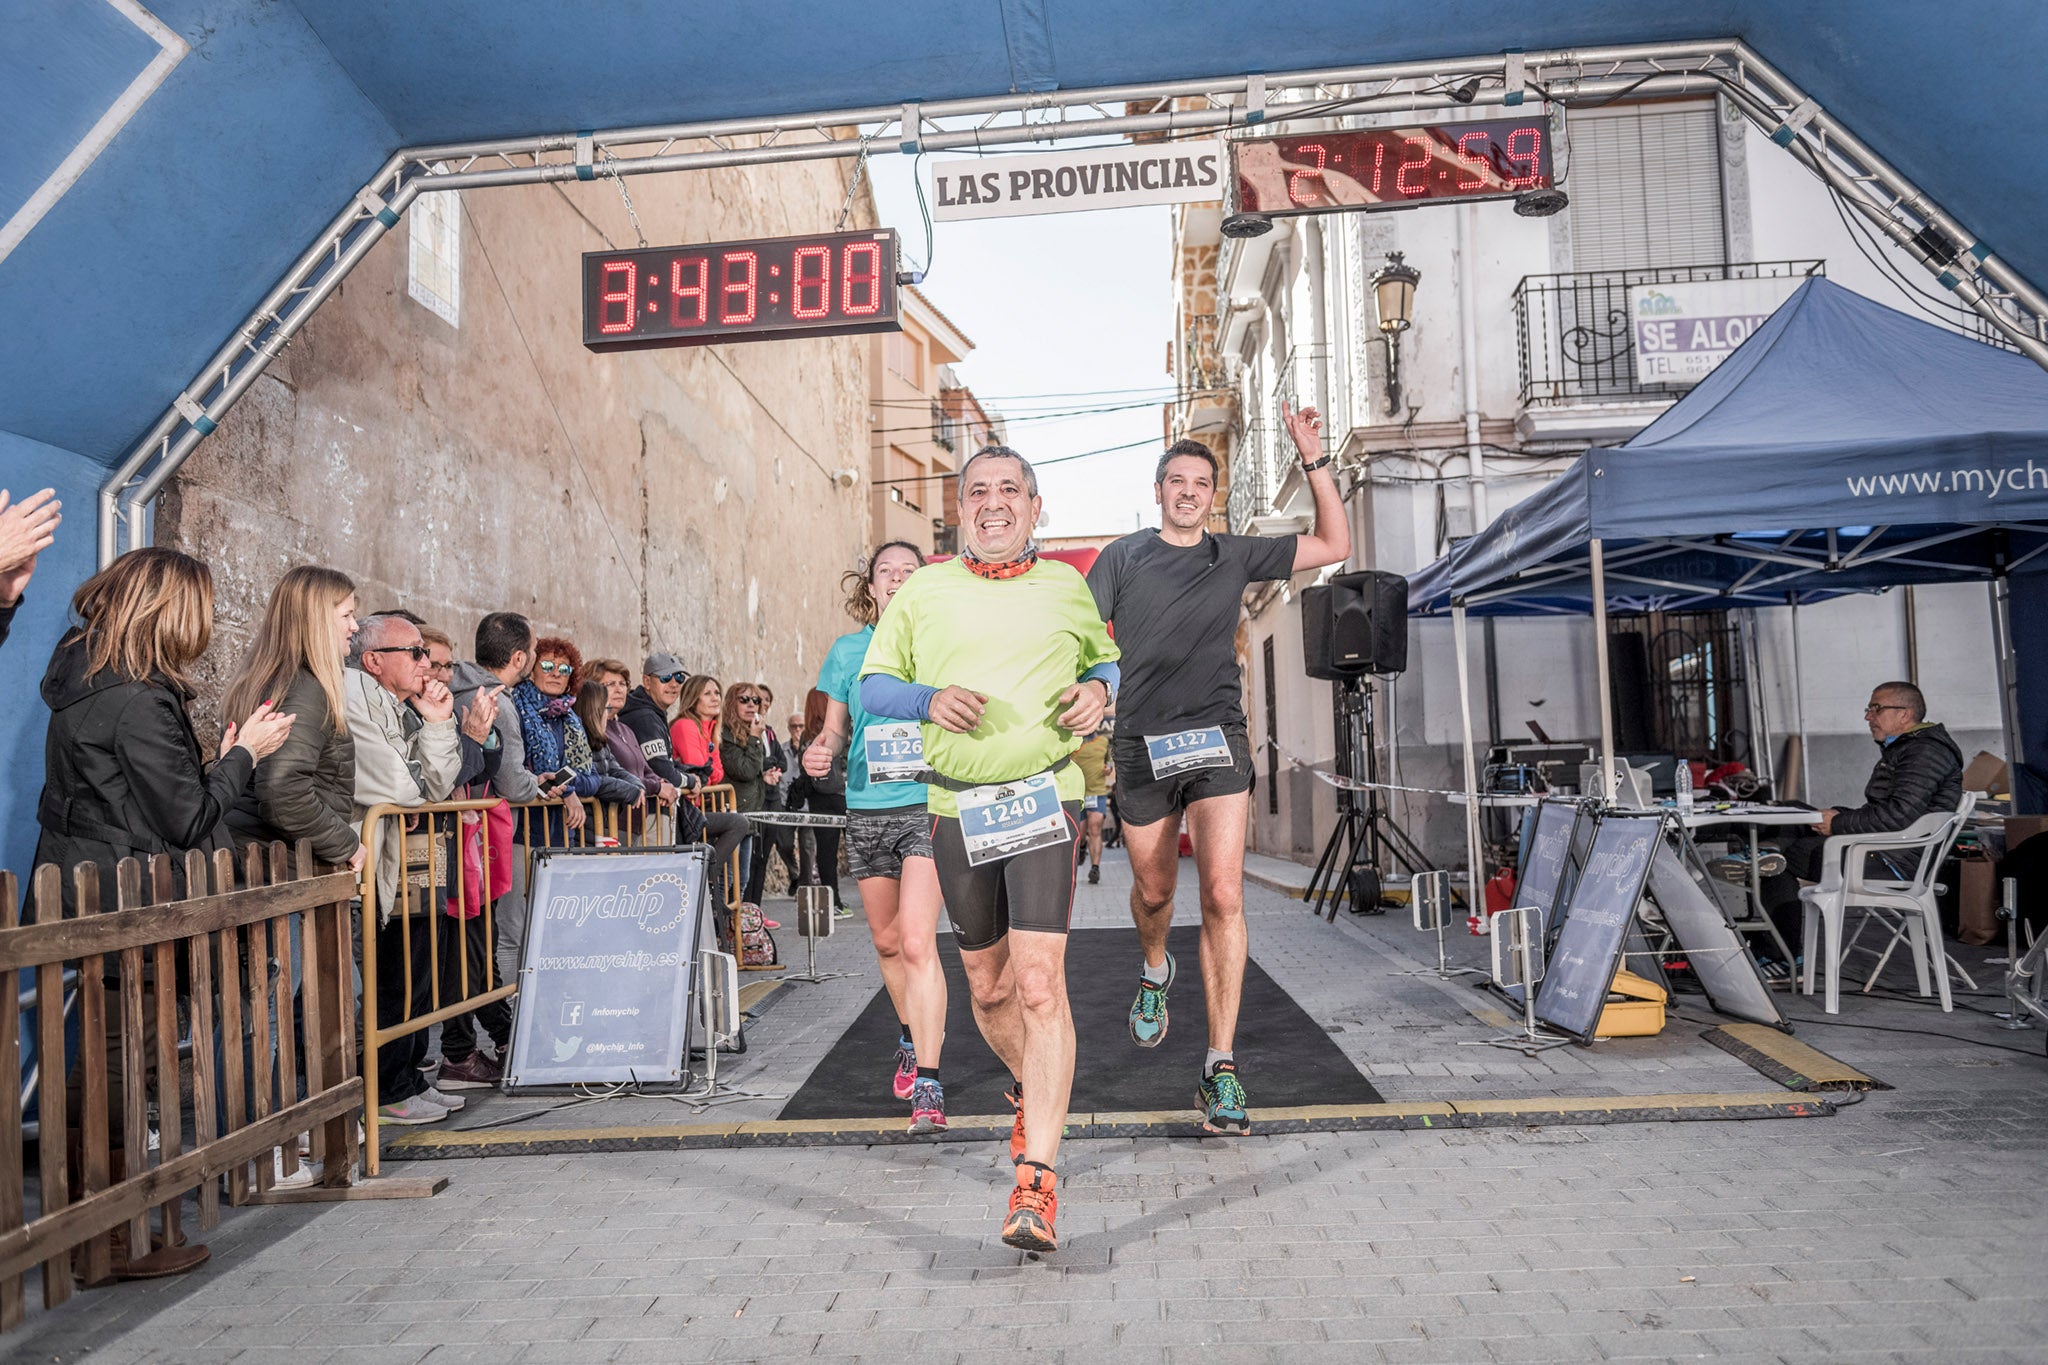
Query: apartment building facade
[(1517, 357)]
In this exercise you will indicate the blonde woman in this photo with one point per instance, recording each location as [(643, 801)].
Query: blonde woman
[(125, 775), (308, 790)]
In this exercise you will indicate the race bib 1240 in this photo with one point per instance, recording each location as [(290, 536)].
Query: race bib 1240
[(1007, 818)]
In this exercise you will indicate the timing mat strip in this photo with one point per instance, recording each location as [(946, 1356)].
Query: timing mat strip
[(1786, 1060), (1543, 1111)]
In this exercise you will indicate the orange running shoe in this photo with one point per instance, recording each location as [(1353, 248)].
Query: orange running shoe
[(1015, 1095), (1032, 1206)]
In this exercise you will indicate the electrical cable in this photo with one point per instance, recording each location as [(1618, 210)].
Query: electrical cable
[(1035, 464), (575, 453)]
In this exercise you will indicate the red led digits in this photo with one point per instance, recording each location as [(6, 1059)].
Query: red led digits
[(1531, 138), (810, 295), (696, 292), (1295, 190), (862, 280), (1379, 165), (1420, 162), (610, 275), (736, 314), (1479, 164)]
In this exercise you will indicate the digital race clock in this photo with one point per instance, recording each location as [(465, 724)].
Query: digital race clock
[(1383, 168), (834, 284)]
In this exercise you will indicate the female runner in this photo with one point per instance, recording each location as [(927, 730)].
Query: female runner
[(888, 839)]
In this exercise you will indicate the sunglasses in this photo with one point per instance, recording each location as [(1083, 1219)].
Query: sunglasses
[(670, 677), (746, 699), (562, 667), (417, 652)]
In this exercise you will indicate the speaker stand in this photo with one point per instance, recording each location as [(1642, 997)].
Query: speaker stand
[(1354, 855)]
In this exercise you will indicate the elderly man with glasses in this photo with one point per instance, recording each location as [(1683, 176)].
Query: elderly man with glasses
[(1919, 771), (407, 754)]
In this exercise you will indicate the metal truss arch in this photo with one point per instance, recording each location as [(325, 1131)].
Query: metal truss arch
[(2010, 305)]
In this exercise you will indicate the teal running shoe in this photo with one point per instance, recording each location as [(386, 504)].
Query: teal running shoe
[(1222, 1100), (1148, 1011)]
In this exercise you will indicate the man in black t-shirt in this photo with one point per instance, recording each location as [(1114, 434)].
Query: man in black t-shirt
[(1172, 597)]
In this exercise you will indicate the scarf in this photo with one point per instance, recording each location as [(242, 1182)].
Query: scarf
[(541, 725), (1010, 568)]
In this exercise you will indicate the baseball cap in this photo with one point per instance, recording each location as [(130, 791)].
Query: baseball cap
[(662, 665)]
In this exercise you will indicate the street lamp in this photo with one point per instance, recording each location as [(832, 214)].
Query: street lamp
[(1393, 295)]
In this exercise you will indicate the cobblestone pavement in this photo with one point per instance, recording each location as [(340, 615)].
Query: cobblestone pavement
[(1908, 1227)]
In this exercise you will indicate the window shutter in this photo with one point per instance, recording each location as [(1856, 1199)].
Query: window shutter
[(1645, 186)]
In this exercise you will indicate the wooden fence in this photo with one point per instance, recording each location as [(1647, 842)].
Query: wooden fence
[(190, 1063)]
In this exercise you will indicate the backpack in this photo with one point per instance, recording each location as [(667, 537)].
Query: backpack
[(757, 945)]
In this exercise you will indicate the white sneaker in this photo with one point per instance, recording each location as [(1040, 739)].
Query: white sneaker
[(417, 1109), (454, 1104), (307, 1174)]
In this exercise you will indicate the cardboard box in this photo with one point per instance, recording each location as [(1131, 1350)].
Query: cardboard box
[(1986, 773), (2020, 828), (1976, 901)]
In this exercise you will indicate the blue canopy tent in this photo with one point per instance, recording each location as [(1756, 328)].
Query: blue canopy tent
[(1844, 447)]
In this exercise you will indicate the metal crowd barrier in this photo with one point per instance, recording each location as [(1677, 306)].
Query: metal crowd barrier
[(434, 873)]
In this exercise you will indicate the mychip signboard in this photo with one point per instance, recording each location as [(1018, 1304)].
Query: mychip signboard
[(606, 980)]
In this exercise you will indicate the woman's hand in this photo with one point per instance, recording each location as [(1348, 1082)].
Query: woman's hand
[(356, 859), (261, 734)]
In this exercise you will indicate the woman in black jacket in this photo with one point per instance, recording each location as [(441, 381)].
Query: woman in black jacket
[(125, 776)]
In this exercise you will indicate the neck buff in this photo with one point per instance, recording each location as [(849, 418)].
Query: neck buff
[(1009, 568)]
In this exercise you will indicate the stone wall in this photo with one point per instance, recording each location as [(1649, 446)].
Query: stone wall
[(679, 499)]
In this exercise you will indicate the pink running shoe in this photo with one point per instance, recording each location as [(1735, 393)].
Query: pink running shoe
[(906, 1072), (927, 1107)]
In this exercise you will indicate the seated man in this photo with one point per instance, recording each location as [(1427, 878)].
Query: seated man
[(1919, 771)]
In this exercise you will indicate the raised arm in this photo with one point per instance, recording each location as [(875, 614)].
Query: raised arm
[(1329, 541)]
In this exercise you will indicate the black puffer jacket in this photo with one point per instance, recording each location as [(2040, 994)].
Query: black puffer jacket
[(1917, 774), (124, 774), (643, 715)]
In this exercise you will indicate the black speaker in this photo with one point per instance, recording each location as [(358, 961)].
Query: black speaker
[(1355, 624), (1628, 685)]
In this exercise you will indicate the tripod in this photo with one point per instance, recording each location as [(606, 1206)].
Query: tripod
[(1352, 858)]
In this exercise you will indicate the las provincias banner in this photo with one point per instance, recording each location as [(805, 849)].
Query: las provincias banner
[(1077, 180)]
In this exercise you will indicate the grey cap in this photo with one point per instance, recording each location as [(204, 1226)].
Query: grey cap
[(662, 665)]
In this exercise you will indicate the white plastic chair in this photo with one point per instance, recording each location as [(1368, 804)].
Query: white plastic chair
[(1907, 905)]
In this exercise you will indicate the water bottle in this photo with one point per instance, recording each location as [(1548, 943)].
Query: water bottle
[(1684, 791)]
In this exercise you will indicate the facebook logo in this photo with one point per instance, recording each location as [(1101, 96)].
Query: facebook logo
[(572, 1013)]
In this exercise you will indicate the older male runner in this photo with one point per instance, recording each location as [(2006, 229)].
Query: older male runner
[(1004, 657), (1173, 596)]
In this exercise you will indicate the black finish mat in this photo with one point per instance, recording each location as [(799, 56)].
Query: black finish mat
[(1283, 1056)]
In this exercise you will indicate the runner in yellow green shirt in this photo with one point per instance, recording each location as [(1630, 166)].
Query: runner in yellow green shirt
[(1005, 659)]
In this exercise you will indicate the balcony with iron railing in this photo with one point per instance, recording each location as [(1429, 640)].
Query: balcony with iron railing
[(1573, 334), (1251, 485)]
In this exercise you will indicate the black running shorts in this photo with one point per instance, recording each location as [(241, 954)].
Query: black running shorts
[(1142, 799), (878, 841), (1032, 890)]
